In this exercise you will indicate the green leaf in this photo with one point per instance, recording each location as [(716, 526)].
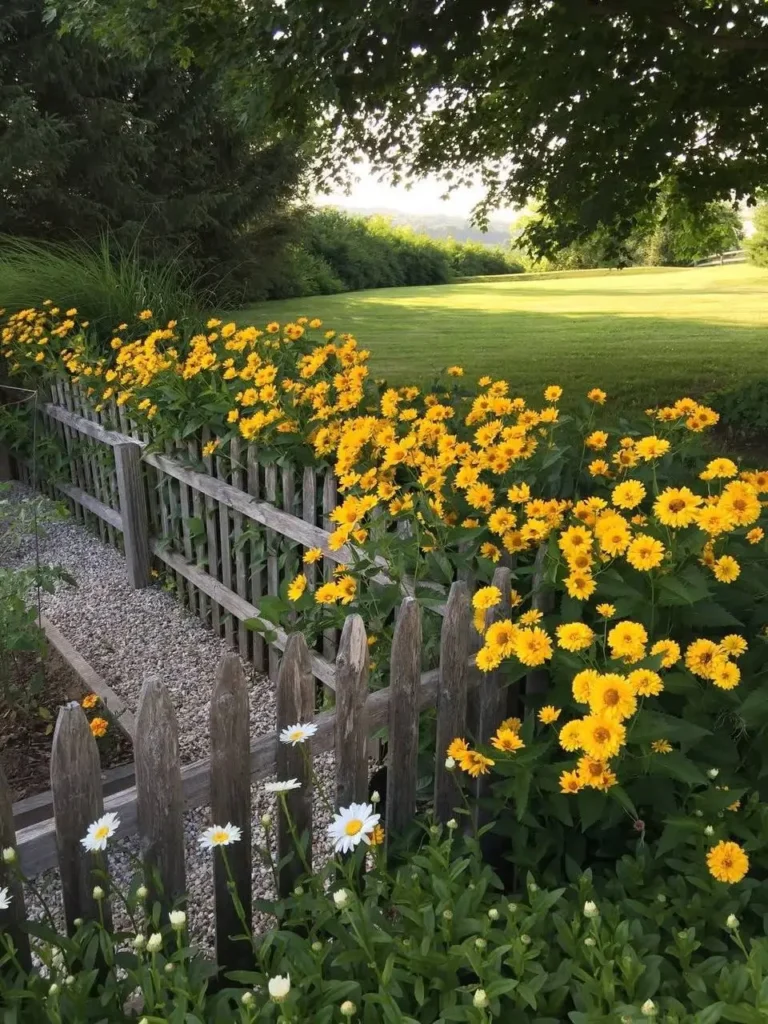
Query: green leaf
[(677, 766)]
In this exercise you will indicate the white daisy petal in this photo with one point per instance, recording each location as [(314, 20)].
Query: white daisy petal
[(220, 835), (100, 831), (5, 899), (298, 733), (352, 825), (282, 787)]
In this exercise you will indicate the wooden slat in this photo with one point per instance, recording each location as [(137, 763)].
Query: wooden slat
[(69, 443), (273, 572), (185, 499), (77, 802), (351, 726), (83, 500), (212, 534), (174, 522), (231, 802), (83, 426), (256, 572), (295, 703), (199, 514), (236, 605), (12, 919), (451, 696), (309, 513), (330, 636), (225, 550), (89, 461), (403, 735), (133, 513), (103, 491), (159, 795), (241, 575)]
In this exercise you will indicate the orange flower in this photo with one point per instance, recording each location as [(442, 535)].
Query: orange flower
[(90, 701), (99, 726)]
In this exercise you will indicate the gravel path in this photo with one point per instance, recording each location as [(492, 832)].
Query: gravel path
[(127, 635)]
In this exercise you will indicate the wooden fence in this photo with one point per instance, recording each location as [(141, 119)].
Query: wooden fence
[(467, 703)]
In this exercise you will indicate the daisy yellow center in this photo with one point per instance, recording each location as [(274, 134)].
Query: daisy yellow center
[(102, 832), (296, 734), (220, 836), (353, 827), (677, 505), (611, 697), (602, 735)]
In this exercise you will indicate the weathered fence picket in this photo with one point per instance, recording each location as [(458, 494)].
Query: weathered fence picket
[(133, 513), (256, 549), (231, 804), (403, 735), (451, 695), (12, 918), (273, 571), (351, 731)]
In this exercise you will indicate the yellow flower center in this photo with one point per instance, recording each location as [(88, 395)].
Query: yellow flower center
[(602, 735), (296, 734), (353, 826), (220, 837), (676, 505), (102, 832), (611, 698)]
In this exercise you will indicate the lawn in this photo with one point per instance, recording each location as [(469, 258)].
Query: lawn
[(643, 335)]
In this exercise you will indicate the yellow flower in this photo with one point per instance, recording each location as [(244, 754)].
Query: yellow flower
[(726, 675), (714, 519), (755, 536), (661, 747), (507, 740), (233, 415), (315, 323), (570, 735), (501, 636), (273, 328), (488, 658), (719, 469), (597, 440), (645, 682), (475, 763), (313, 555), (613, 696), (549, 714), (531, 618), (346, 588), (297, 587), (327, 594), (99, 726), (595, 773), (582, 684), (90, 701), (512, 723), (570, 782), (726, 569), (651, 447), (599, 467), (727, 862), (455, 371), (597, 395), (580, 585), (741, 502), (645, 553), (628, 494), (457, 748), (575, 540), (553, 393), (676, 506), (574, 636), (490, 551), (700, 656), (486, 597), (601, 736), (607, 611), (627, 640), (670, 650), (532, 646), (733, 645), (210, 448), (145, 314)]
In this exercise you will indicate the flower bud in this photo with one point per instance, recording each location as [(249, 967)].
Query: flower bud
[(648, 1009), (698, 813), (590, 909), (452, 824), (98, 892), (525, 939), (661, 898), (480, 943), (266, 820), (348, 1008), (590, 941), (78, 922), (533, 887), (512, 907), (142, 892), (169, 967), (9, 855), (448, 915), (341, 898), (317, 946), (493, 914), (713, 773), (247, 999), (178, 919), (732, 922), (375, 797), (53, 990), (69, 980), (480, 999), (450, 763), (709, 831), (434, 830), (279, 987), (299, 890), (139, 942), (154, 942)]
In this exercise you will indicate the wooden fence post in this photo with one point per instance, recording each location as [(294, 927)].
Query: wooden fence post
[(351, 724), (12, 918), (231, 802), (133, 509), (403, 737), (451, 695), (159, 798), (273, 565), (77, 802), (295, 703)]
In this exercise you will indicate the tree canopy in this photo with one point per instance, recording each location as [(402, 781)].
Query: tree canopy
[(584, 104)]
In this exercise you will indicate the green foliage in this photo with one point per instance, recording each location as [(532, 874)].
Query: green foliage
[(141, 148), (586, 106), (757, 245), (744, 409), (106, 283)]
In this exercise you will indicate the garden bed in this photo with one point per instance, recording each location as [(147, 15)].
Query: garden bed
[(26, 736)]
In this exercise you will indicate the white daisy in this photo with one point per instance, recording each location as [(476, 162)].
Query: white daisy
[(352, 825), (298, 733), (219, 835), (282, 787), (279, 987), (5, 899), (100, 831)]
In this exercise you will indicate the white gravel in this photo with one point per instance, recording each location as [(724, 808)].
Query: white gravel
[(127, 635)]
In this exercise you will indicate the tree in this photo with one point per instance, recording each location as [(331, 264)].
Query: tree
[(584, 104), (757, 245), (146, 150)]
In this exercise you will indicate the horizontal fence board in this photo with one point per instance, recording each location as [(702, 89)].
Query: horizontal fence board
[(37, 845), (109, 515), (84, 426), (236, 605)]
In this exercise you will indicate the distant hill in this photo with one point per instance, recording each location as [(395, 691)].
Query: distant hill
[(438, 225)]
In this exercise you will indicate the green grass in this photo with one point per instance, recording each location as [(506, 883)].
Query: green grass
[(642, 335)]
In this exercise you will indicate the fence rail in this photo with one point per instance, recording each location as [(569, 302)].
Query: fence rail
[(154, 807)]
